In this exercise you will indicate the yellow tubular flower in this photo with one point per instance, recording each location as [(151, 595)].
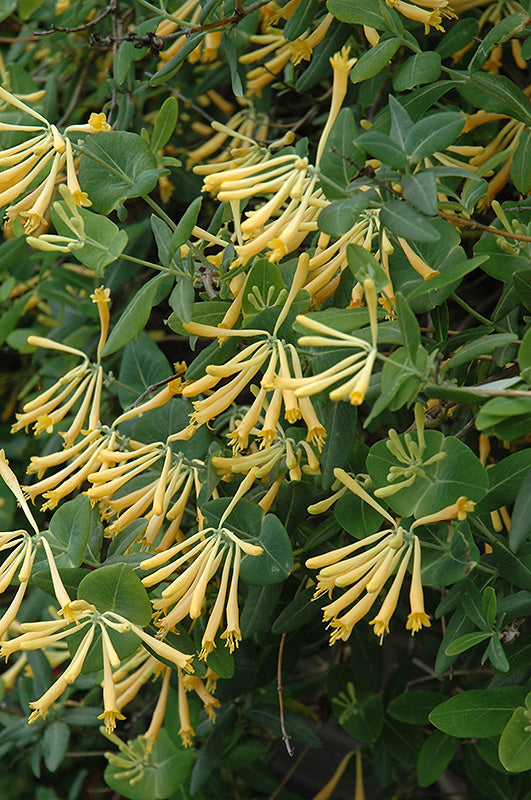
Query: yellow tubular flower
[(341, 65), (29, 161), (381, 620), (185, 731), (418, 617), (457, 510)]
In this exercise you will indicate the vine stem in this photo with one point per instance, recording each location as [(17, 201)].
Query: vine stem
[(285, 735)]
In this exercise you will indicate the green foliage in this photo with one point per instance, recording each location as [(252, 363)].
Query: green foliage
[(271, 386)]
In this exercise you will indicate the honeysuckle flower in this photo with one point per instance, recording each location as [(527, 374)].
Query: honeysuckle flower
[(195, 684), (83, 382), (205, 550), (429, 12), (457, 510), (273, 40), (266, 353), (36, 635), (41, 157), (492, 15), (241, 131), (188, 13), (506, 139), (365, 566), (418, 263), (58, 485), (186, 732), (417, 617), (330, 258), (23, 547), (164, 498), (357, 367)]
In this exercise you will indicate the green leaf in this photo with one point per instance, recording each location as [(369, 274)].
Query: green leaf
[(521, 516), (421, 191), (276, 562), (297, 613), (230, 55), (357, 517), (109, 240), (479, 347), (9, 318), (524, 356), (337, 418), (521, 166), (515, 742), (339, 217), (258, 609), (165, 123), (459, 625), (122, 159), (460, 473), (117, 588), (433, 133), (185, 226), (457, 37), (301, 20), (414, 707), (466, 642), (374, 60), (364, 265), (505, 417), (401, 122), (69, 531), (522, 285), (477, 713), (496, 655), (516, 568), (505, 479), (383, 148), (181, 300), (55, 744), (134, 318), (489, 605), (494, 93), (418, 69), (450, 276), (362, 12), (167, 768), (6, 8), (409, 326), (340, 152), (143, 364), (403, 220), (502, 32), (172, 67), (435, 755)]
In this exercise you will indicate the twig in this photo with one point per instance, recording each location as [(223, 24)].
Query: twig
[(238, 15), (90, 24), (475, 225), (285, 736)]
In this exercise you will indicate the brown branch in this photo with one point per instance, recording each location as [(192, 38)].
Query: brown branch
[(474, 225), (238, 15), (111, 8)]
